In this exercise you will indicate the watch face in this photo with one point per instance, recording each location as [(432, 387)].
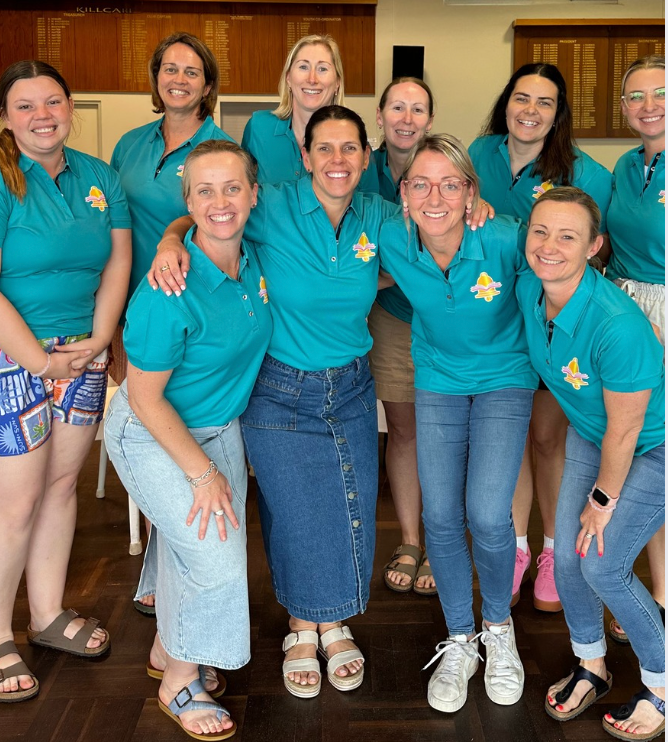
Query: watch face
[(600, 497)]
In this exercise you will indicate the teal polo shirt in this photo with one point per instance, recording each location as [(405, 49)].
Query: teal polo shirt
[(467, 330), (599, 340), (213, 337), (272, 143), (515, 196), (322, 280), (392, 299), (55, 244), (637, 219), (152, 183)]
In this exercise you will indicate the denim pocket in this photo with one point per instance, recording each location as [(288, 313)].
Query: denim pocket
[(273, 405), (366, 391)]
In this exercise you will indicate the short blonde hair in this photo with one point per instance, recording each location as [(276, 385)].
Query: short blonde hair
[(213, 147), (455, 151), (650, 62), (284, 110)]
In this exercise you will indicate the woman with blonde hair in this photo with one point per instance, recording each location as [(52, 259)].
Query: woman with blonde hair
[(637, 228), (65, 252)]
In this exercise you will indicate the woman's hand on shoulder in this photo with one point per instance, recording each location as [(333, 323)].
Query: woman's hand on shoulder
[(170, 266), (482, 213), (210, 499)]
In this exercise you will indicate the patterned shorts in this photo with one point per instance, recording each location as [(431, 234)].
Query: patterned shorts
[(29, 404)]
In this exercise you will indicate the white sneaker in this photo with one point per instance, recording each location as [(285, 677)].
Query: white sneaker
[(448, 686), (504, 674)]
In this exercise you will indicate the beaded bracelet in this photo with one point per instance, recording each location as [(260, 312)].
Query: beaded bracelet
[(206, 484), (46, 367), (194, 481)]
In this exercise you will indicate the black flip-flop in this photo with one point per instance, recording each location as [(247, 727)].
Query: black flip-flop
[(145, 610), (601, 687), (624, 712)]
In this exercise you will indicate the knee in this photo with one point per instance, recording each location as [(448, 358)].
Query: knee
[(603, 574), (546, 442), (402, 432), (491, 531)]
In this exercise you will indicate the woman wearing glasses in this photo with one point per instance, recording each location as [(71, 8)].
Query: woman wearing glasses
[(636, 224), (474, 387)]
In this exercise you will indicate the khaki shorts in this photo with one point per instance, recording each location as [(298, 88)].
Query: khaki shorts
[(651, 298), (390, 358)]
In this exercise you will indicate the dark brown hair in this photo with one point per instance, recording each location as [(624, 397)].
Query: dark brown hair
[(9, 150), (211, 75), (572, 195), (556, 160), (334, 113)]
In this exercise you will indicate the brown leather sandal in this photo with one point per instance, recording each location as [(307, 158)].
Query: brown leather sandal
[(18, 668), (415, 552), (54, 637), (424, 570)]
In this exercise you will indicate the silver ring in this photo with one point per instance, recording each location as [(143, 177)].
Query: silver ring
[(219, 513), (589, 535), (164, 268)]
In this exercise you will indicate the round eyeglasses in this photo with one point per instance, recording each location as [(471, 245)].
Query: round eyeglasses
[(450, 189), (637, 98)]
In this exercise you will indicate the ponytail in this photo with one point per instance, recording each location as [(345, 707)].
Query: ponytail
[(11, 173)]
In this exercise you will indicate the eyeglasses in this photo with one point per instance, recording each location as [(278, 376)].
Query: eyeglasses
[(637, 98), (449, 189)]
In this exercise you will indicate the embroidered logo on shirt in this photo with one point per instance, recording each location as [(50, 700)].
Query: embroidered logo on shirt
[(262, 293), (486, 287), (364, 248), (662, 197), (179, 171), (97, 199), (542, 188), (573, 375)]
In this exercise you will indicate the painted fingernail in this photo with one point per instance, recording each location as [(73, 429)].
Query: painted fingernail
[(582, 555), (550, 699), (600, 553), (185, 274), (178, 293), (168, 293), (183, 288), (559, 707), (577, 551)]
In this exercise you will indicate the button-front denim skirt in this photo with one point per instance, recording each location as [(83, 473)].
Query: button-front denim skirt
[(312, 438)]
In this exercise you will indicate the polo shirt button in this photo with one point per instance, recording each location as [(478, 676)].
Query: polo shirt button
[(340, 440), (449, 296), (347, 467), (244, 297), (352, 495), (250, 314), (333, 260), (356, 524)]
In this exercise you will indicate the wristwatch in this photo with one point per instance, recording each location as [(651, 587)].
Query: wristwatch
[(602, 498)]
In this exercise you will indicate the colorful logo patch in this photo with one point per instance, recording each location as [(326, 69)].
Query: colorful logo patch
[(573, 375), (262, 293), (486, 287), (364, 250), (662, 197), (179, 171), (97, 199), (542, 188)]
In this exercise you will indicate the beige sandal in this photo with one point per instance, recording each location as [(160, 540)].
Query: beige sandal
[(352, 680), (13, 671), (424, 570), (414, 552), (306, 664)]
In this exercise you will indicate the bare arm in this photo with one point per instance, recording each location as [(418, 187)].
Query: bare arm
[(146, 397), (626, 415), (172, 254)]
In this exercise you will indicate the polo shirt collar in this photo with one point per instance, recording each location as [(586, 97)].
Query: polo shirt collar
[(308, 201), (26, 163), (204, 129), (470, 249), (283, 127), (210, 275), (570, 316)]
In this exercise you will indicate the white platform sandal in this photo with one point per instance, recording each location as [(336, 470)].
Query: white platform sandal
[(308, 664), (352, 680)]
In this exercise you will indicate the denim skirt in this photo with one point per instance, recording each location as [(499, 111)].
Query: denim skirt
[(201, 586), (312, 438)]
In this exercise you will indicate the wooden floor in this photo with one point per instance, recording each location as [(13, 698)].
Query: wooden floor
[(113, 700)]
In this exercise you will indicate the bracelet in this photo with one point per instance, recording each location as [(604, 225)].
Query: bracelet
[(596, 506), (206, 484), (46, 367), (194, 481)]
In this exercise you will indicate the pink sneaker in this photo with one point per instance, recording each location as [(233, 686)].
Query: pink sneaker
[(545, 597), (522, 563)]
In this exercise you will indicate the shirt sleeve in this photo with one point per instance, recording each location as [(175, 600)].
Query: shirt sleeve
[(256, 225), (369, 182), (629, 354), (155, 331), (248, 136), (598, 184), (118, 204)]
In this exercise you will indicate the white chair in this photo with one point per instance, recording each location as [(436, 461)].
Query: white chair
[(133, 511)]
